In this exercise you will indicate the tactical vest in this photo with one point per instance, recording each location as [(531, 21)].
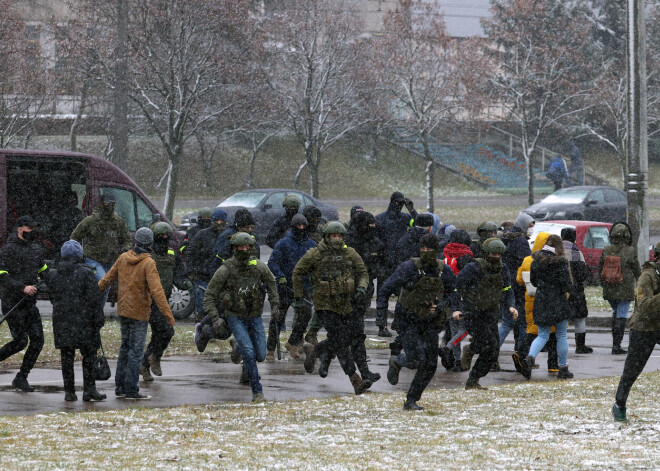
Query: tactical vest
[(427, 291), (244, 289), (489, 290), (335, 279), (165, 265)]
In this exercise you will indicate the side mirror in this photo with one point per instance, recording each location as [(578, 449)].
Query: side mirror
[(267, 206), (590, 202)]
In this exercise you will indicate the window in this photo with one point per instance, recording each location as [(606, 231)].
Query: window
[(247, 199), (124, 205), (598, 196), (307, 202), (145, 217), (597, 238), (612, 196), (275, 200)]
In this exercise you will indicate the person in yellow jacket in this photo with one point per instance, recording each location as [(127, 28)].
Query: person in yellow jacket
[(532, 330)]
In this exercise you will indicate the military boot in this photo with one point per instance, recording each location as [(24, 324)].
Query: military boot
[(70, 396), (154, 363), (393, 371), (293, 351), (234, 355), (411, 405), (473, 383), (528, 365), (324, 363), (93, 395), (310, 358), (446, 357), (619, 413), (312, 336), (146, 374), (359, 385), (618, 331), (362, 362)]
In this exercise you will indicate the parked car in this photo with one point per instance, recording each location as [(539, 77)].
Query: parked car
[(587, 203), (265, 205), (591, 238)]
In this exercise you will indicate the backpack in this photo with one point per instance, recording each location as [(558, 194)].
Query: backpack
[(612, 272)]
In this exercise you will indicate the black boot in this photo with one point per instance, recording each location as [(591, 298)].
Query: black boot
[(617, 336), (93, 395), (446, 357), (361, 361), (21, 382), (324, 363), (580, 346)]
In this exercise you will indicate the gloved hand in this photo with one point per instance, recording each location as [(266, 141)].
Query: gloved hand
[(189, 286), (409, 204), (282, 282), (219, 326), (298, 303), (360, 295)]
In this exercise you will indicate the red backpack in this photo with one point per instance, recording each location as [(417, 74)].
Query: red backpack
[(612, 273)]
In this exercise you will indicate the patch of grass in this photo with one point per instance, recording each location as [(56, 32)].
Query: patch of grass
[(553, 425)]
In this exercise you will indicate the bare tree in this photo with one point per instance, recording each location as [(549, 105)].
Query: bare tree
[(423, 73), (544, 66), (25, 83), (315, 53)]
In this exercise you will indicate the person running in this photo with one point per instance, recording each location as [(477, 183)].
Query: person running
[(426, 287)]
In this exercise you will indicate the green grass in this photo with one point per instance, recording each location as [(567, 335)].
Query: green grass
[(544, 426)]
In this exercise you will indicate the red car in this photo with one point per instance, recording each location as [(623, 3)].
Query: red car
[(592, 238)]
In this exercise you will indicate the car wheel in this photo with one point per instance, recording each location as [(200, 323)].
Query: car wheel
[(182, 303)]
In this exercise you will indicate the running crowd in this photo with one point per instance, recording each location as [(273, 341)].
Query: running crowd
[(328, 272)]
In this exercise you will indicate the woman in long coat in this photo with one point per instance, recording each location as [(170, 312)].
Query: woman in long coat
[(549, 273), (77, 318)]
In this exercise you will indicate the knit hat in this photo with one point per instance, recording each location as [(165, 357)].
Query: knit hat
[(144, 236), (460, 236), (424, 220), (430, 241), (71, 248), (447, 229), (298, 220), (219, 214), (243, 218)]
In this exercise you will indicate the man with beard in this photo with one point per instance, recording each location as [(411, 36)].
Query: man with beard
[(282, 224), (391, 225), (426, 287), (103, 235), (484, 286)]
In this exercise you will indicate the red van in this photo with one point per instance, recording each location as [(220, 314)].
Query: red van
[(59, 189)]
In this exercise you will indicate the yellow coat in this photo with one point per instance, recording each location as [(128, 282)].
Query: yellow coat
[(540, 241)]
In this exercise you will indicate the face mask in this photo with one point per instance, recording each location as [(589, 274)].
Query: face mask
[(242, 255), (397, 206), (30, 236), (336, 244), (367, 232), (204, 222), (107, 211), (290, 212), (161, 245), (494, 263), (530, 231), (428, 258), (298, 233), (220, 226)]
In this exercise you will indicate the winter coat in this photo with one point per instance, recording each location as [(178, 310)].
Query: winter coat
[(407, 246), (549, 274), (406, 276), (77, 305), (21, 263), (621, 239), (372, 252), (278, 230), (541, 239), (191, 233), (468, 281), (286, 254), (579, 274), (646, 317), (222, 249), (199, 254), (238, 286), (391, 225), (102, 238), (138, 283), (323, 260)]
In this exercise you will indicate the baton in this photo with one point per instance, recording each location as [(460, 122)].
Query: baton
[(13, 308), (304, 299)]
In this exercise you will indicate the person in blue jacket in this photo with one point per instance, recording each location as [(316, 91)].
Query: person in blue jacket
[(484, 286), (282, 261), (427, 290)]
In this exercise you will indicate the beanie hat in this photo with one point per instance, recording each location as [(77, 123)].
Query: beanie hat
[(424, 220), (219, 213), (71, 248), (460, 236), (447, 229), (569, 234), (397, 196), (243, 218), (144, 236), (364, 218), (430, 241), (298, 220)]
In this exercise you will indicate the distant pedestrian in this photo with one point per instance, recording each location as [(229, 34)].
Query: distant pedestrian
[(138, 284), (77, 318), (557, 171), (619, 268), (577, 167), (644, 332)]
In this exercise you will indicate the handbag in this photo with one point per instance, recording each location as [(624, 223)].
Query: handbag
[(101, 367)]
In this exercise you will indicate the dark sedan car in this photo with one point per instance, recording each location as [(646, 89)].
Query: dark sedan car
[(265, 206), (590, 203)]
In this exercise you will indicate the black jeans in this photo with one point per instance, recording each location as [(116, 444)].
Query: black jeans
[(381, 314), (300, 320), (482, 326), (161, 334), (68, 355), (338, 342), (640, 347), (25, 327), (420, 352), (275, 324)]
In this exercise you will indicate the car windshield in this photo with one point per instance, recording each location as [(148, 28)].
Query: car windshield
[(247, 199), (566, 196)]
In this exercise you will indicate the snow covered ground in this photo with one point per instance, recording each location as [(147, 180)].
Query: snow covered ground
[(554, 425)]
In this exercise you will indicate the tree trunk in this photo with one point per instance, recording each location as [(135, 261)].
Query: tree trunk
[(530, 180), (429, 176), (172, 185), (73, 132), (253, 158), (314, 179), (120, 105)]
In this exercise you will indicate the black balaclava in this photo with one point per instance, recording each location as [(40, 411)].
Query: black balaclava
[(432, 242), (242, 255), (161, 244), (396, 202), (313, 216), (298, 220), (363, 222)]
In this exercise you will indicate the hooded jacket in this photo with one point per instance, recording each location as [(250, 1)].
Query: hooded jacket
[(138, 283), (391, 225), (102, 238), (21, 263), (621, 240), (286, 254), (200, 254), (549, 273), (77, 305), (646, 317), (541, 239)]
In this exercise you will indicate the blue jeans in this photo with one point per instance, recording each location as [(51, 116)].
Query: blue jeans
[(133, 338), (620, 308), (562, 341), (199, 296), (251, 344), (508, 324), (100, 269)]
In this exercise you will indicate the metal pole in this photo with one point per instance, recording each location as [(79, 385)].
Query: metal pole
[(637, 178)]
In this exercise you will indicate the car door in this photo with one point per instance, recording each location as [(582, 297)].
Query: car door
[(617, 205), (595, 207)]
